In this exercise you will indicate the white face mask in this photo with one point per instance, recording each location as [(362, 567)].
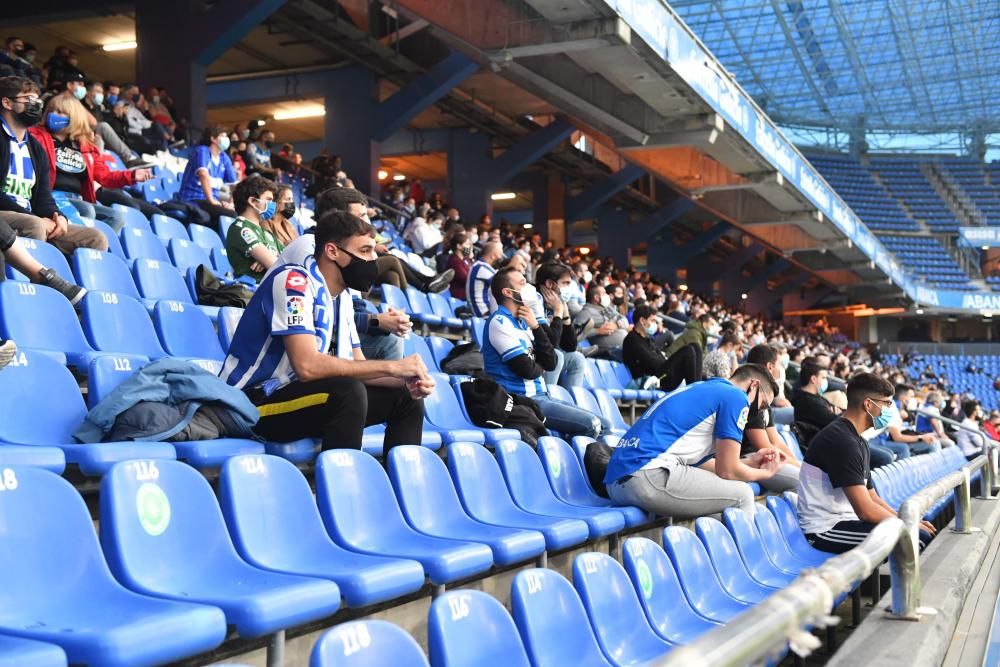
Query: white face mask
[(528, 295), (606, 301), (587, 276)]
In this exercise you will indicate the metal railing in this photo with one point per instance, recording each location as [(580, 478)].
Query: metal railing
[(763, 631), (990, 449)]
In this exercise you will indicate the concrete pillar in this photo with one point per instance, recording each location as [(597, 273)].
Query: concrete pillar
[(351, 97), (469, 158), (612, 233)]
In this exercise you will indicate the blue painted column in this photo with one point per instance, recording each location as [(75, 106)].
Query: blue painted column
[(350, 98), (469, 158), (612, 233)]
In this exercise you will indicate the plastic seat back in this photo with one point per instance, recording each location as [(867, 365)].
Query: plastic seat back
[(225, 222), (159, 280), (114, 243), (119, 324), (440, 305), (467, 627), (728, 563), (608, 375), (107, 372), (38, 317), (414, 344), (138, 242), (418, 301), (35, 384), (425, 492), (565, 472), (477, 479), (442, 408), (369, 643), (440, 348), (155, 515), (187, 254), (560, 393), (793, 443), (229, 320), (694, 568), (133, 217), (186, 331), (206, 237), (167, 228), (614, 611), (395, 298), (591, 376), (744, 533), (609, 409), (220, 260), (47, 255), (103, 272), (478, 331), (552, 621), (585, 399)]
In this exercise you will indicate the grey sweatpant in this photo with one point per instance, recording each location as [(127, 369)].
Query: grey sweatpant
[(786, 479), (681, 491)]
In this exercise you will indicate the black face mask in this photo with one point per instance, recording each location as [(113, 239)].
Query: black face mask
[(359, 274), (288, 210), (618, 300), (31, 115), (754, 409), (268, 143)]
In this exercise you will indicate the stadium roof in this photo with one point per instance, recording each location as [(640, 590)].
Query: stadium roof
[(906, 65)]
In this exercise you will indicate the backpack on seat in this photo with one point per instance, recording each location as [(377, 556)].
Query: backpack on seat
[(214, 292)]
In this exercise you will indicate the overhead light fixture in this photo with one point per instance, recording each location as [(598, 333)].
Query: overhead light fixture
[(499, 196), (584, 251), (382, 174), (743, 296), (399, 177), (920, 311), (986, 247), (304, 112), (120, 46), (527, 225), (682, 287), (952, 319)]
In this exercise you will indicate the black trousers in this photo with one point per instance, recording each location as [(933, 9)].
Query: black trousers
[(213, 210), (337, 410), (109, 196), (684, 364)]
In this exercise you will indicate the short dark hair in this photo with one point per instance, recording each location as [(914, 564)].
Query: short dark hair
[(338, 199), (762, 354), (730, 339), (551, 272), (457, 240), (969, 407), (902, 388), (592, 291), (866, 385), (642, 312), (252, 187), (728, 325), (756, 372), (337, 226), (502, 280), (13, 86), (209, 133), (808, 370), (705, 317)]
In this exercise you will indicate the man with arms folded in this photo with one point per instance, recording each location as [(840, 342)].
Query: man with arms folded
[(682, 457), (837, 504)]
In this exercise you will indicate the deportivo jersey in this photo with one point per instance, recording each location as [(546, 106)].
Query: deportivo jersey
[(477, 289), (681, 427), (21, 171), (291, 300), (506, 338)]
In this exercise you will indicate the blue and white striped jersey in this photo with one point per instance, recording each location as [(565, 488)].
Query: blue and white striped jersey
[(477, 289), (506, 338)]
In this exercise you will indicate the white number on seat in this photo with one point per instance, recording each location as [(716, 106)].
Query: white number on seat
[(26, 289), (534, 582), (253, 465), (109, 297), (459, 606), (152, 263), (96, 255), (355, 638), (176, 306), (122, 364), (145, 470), (8, 481), (342, 460), (589, 564)]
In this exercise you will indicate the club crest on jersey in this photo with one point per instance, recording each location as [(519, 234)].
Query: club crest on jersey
[(742, 421)]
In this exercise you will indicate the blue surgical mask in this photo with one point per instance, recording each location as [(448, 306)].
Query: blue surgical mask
[(56, 122), (98, 99), (268, 211), (651, 330), (824, 385), (111, 100), (784, 362), (224, 142), (79, 92), (566, 293), (886, 417)]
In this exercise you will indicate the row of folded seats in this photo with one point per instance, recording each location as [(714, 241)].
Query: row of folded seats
[(899, 480), (271, 557)]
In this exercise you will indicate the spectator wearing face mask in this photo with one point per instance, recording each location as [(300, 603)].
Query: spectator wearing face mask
[(696, 332), (142, 133), (645, 360), (258, 155), (208, 170), (518, 351), (810, 406), (253, 249), (928, 424), (281, 225), (477, 287), (721, 362), (460, 261), (555, 284), (609, 326), (426, 235)]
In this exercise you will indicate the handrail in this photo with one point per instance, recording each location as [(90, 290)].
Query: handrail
[(764, 629), (904, 563), (990, 448)]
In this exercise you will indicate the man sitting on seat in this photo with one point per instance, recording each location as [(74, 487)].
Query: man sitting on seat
[(761, 433), (280, 351), (682, 457), (838, 505), (518, 351), (810, 406)]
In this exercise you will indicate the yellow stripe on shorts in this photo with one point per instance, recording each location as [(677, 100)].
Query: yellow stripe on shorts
[(285, 407)]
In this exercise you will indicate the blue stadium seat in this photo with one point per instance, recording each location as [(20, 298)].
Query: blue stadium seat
[(133, 217), (446, 416), (430, 504), (206, 237), (774, 543), (155, 515), (659, 591), (142, 243), (41, 319), (743, 531), (609, 409), (561, 393), (530, 490), (108, 371), (220, 260), (55, 585), (440, 348), (158, 280), (585, 399), (38, 384), (229, 319), (552, 621), (728, 563), (114, 243), (119, 325), (47, 255), (414, 344), (103, 272), (360, 512), (612, 383), (467, 627), (225, 222), (394, 297), (485, 497), (478, 331), (275, 525), (167, 228), (614, 611), (369, 643), (441, 306), (186, 254), (697, 576), (373, 437), (186, 331), (569, 482), (151, 192), (420, 307), (36, 456), (784, 513), (17, 652)]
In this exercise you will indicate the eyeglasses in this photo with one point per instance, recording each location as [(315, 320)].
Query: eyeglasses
[(884, 402), (26, 99)]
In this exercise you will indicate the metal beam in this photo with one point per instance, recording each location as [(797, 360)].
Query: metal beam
[(761, 278), (420, 94), (737, 261), (529, 150), (786, 287), (700, 243), (224, 25), (582, 205), (659, 219), (264, 89)]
